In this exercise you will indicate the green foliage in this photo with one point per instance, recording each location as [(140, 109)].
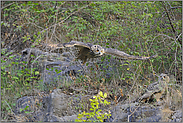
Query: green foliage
[(136, 27), (95, 115), (24, 109), (16, 80)]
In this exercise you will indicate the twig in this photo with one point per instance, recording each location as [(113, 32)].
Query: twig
[(56, 17), (65, 18), (7, 5), (133, 113), (62, 20), (34, 24), (172, 8), (10, 109)]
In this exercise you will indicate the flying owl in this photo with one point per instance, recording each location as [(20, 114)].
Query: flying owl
[(88, 50), (156, 89)]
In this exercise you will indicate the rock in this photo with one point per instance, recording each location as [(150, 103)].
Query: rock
[(68, 118), (28, 104), (52, 77), (29, 109), (134, 113), (176, 117), (60, 103), (50, 118), (54, 67), (64, 106)]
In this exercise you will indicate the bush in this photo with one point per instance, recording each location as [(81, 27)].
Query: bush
[(95, 115)]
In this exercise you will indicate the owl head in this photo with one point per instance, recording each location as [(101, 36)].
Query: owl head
[(97, 50), (164, 77)]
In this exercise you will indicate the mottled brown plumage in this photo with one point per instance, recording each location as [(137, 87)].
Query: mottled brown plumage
[(156, 89), (87, 50)]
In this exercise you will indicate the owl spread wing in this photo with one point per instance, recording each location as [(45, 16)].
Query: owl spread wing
[(124, 55), (69, 44), (83, 52), (76, 44)]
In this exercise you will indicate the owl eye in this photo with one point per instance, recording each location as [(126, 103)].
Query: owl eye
[(97, 50), (163, 76)]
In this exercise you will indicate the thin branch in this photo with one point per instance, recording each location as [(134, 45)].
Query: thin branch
[(172, 8), (64, 19), (10, 109), (170, 21), (7, 5), (133, 113)]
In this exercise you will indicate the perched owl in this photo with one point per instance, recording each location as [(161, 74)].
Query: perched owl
[(156, 89), (87, 51)]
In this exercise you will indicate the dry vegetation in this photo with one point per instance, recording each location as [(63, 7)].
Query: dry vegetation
[(137, 28)]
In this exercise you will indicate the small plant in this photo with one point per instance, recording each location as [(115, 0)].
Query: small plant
[(25, 110), (16, 81), (95, 115)]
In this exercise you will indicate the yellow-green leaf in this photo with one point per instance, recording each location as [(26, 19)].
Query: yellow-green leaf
[(105, 95), (101, 93), (37, 72)]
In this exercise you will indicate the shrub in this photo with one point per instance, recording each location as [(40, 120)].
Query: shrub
[(95, 114)]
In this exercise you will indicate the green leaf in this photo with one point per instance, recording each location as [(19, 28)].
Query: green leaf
[(37, 73), (87, 113), (80, 116), (36, 3), (101, 120), (105, 95), (91, 109), (16, 78), (78, 120), (91, 100), (101, 93), (105, 102), (27, 112), (21, 109)]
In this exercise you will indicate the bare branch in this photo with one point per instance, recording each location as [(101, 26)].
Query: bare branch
[(170, 21), (7, 6), (64, 19)]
